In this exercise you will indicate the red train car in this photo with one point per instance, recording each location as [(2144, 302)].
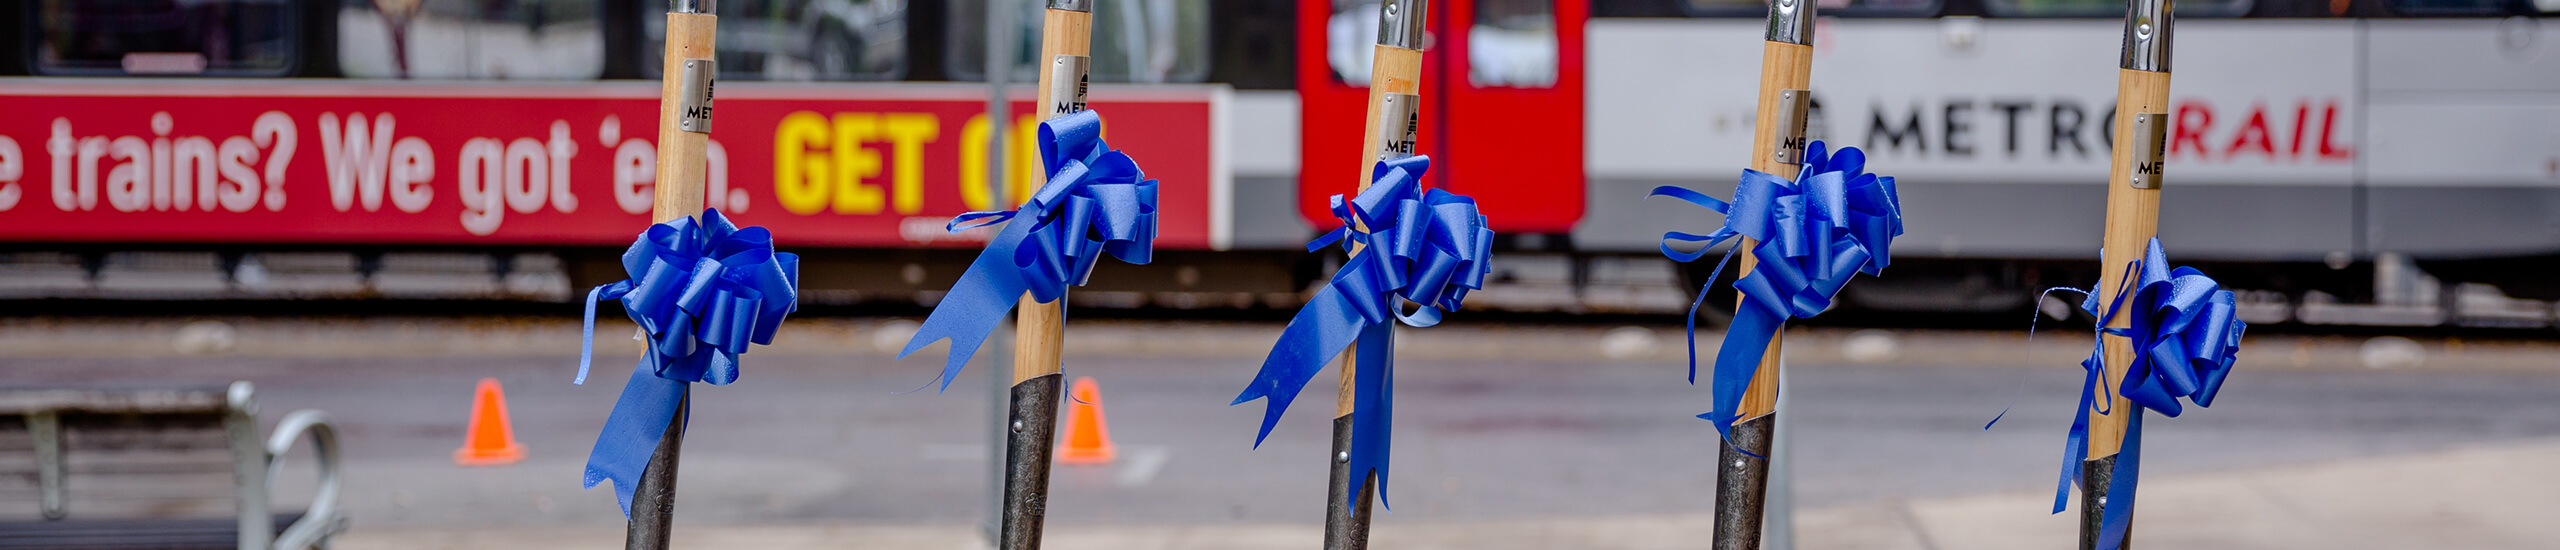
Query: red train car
[(1502, 88)]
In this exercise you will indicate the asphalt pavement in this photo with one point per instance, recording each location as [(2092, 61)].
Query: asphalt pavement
[(1555, 435)]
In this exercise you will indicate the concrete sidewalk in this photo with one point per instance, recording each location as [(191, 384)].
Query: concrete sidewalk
[(2481, 497)]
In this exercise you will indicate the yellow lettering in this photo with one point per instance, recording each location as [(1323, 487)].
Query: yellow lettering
[(1029, 174), (800, 174), (1025, 170), (908, 132), (973, 163), (853, 163)]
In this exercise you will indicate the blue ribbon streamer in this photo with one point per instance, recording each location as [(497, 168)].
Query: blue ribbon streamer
[(2185, 334), (702, 291), (1428, 247), (1830, 224), (1096, 201)]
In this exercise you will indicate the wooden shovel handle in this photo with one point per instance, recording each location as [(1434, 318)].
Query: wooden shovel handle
[(1395, 71), (1783, 66), (2133, 218), (1040, 330), (682, 166)]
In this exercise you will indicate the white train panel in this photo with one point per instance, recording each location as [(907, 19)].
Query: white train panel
[(1980, 101)]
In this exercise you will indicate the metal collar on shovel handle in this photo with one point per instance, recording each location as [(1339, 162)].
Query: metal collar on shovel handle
[(1026, 458), (1066, 42), (653, 501), (1742, 483)]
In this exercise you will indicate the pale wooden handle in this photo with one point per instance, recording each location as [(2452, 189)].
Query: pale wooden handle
[(1040, 330), (1394, 71), (1062, 32), (2133, 217), (1783, 66), (682, 166), (1039, 337)]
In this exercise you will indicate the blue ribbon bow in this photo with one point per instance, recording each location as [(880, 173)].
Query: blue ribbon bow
[(2185, 336), (702, 292), (1096, 201), (1428, 247), (1830, 224)]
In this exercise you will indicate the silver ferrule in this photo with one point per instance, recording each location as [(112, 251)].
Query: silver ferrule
[(1791, 21), (1400, 23), (1072, 5), (690, 6), (2146, 34)]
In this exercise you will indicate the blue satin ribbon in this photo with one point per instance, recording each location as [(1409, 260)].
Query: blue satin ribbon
[(1096, 202), (1428, 247), (2185, 336), (702, 292), (1830, 224)]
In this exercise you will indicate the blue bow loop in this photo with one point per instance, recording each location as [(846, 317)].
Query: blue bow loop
[(2186, 336), (1408, 244), (1096, 202), (702, 291), (1816, 233)]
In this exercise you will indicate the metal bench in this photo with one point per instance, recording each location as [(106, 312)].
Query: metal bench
[(144, 468)]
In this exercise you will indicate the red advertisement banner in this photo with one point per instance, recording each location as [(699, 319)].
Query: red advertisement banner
[(369, 163)]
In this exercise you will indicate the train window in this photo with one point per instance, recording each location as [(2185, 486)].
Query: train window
[(1151, 40), (1512, 44), (1255, 44), (799, 40), (522, 39), (166, 37), (2109, 8), (1348, 36), (1845, 8), (1133, 41)]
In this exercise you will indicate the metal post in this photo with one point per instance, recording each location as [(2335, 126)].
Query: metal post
[(45, 428), (997, 355), (1778, 519), (248, 465)]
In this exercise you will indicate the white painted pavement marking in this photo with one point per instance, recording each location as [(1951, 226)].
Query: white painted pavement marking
[(1144, 463)]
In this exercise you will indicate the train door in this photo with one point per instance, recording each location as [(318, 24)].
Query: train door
[(1502, 106)]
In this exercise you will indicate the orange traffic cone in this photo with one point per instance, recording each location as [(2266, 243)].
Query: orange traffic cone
[(490, 441), (1088, 436)]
